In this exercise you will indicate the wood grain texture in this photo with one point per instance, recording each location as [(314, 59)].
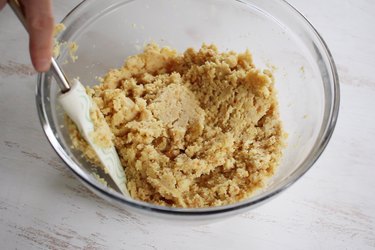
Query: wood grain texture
[(42, 206)]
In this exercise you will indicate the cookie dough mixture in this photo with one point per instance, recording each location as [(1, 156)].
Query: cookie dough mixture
[(197, 129)]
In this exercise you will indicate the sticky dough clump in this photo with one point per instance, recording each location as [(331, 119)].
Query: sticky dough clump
[(197, 129)]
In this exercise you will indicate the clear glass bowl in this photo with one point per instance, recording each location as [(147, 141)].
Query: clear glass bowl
[(277, 34)]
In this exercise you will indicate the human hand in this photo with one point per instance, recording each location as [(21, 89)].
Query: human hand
[(40, 24)]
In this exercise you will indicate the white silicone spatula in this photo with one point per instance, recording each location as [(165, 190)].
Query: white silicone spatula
[(77, 104)]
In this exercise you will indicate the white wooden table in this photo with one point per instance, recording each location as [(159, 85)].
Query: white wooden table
[(42, 206)]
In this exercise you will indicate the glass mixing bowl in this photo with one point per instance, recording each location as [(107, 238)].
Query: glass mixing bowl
[(278, 36)]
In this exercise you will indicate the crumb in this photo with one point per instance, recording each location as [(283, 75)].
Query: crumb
[(73, 47), (197, 129), (57, 48), (271, 67), (100, 179), (138, 47), (99, 78), (58, 45), (58, 29)]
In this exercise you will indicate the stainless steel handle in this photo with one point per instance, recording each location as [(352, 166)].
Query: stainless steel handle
[(57, 72)]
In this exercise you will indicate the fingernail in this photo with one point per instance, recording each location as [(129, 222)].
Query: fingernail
[(42, 65)]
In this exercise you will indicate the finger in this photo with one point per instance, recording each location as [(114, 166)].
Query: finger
[(2, 3), (40, 25)]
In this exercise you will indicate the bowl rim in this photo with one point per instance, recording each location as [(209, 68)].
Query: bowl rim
[(319, 146)]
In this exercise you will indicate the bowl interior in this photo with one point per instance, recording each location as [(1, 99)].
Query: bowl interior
[(279, 38)]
